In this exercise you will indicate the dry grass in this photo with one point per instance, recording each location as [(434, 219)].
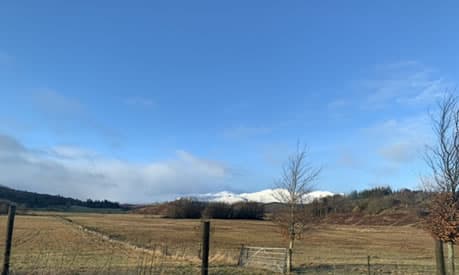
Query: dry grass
[(390, 240), (49, 243), (327, 245)]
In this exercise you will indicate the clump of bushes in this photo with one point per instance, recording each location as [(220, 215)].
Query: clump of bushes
[(185, 209), (248, 210), (376, 206), (193, 209), (375, 192), (371, 201), (218, 210)]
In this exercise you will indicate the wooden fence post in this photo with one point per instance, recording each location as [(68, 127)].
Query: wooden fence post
[(241, 256), (369, 266), (166, 250), (9, 239), (439, 258), (450, 246), (205, 247)]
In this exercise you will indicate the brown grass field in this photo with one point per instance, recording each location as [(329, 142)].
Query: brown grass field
[(46, 243)]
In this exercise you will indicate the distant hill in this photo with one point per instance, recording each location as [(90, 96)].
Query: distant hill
[(376, 206), (34, 200)]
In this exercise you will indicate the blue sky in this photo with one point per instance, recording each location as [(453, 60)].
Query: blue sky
[(148, 100)]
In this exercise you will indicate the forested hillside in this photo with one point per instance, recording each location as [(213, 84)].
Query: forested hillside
[(27, 199)]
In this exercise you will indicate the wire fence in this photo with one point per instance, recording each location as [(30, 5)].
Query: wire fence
[(177, 259), (53, 246)]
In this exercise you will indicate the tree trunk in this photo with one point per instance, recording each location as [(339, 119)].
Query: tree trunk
[(451, 258), (291, 238), (439, 257), (290, 256)]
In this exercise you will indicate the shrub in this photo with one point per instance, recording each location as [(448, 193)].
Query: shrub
[(248, 210), (375, 192), (377, 206), (217, 210), (185, 209), (192, 209)]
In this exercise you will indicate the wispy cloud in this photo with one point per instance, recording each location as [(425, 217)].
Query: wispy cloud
[(414, 127), (401, 152), (139, 101), (348, 160), (12, 124), (5, 58), (66, 114), (337, 104), (84, 174), (397, 65), (242, 132), (52, 102), (401, 140), (274, 154), (71, 152), (403, 83), (387, 151)]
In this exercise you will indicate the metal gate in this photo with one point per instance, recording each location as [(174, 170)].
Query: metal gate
[(274, 259)]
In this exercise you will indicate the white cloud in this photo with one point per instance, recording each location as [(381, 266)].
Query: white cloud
[(401, 152), (81, 173)]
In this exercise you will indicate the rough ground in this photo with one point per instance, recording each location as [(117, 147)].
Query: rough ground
[(48, 243)]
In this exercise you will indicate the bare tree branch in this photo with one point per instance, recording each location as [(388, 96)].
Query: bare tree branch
[(297, 178), (443, 157)]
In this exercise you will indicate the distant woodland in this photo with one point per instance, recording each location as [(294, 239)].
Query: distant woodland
[(379, 205), (25, 199)]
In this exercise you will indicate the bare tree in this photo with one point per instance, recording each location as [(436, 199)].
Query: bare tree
[(443, 160), (296, 181)]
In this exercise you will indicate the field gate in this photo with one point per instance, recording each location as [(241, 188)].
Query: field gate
[(274, 259)]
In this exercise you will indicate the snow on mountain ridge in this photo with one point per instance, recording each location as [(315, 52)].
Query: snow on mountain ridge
[(264, 196)]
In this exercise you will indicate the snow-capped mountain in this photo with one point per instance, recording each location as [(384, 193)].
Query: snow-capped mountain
[(264, 196)]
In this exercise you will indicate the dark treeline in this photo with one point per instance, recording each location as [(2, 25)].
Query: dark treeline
[(27, 199), (193, 209)]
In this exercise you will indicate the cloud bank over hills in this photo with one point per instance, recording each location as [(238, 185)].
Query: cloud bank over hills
[(80, 173)]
